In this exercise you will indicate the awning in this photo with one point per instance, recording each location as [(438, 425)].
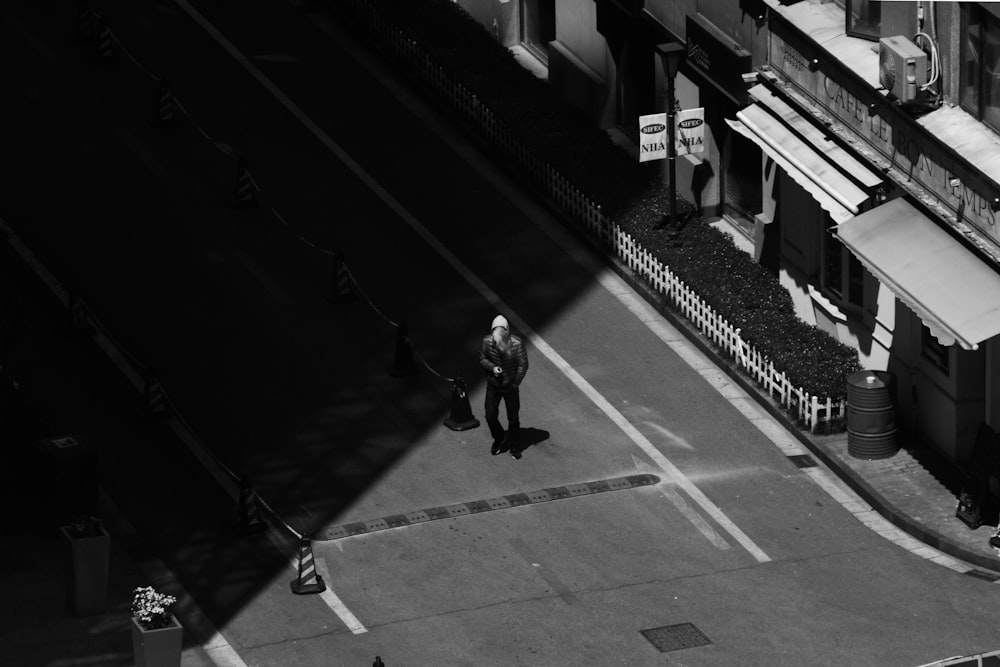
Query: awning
[(954, 292), (838, 181)]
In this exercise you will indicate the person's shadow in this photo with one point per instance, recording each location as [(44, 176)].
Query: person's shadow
[(531, 436)]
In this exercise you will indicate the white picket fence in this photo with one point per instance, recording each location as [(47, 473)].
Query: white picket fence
[(813, 412)]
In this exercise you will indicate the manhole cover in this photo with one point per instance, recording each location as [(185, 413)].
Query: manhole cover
[(802, 460), (676, 637)]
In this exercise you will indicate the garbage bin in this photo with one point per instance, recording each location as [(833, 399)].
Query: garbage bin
[(66, 483), (871, 416)]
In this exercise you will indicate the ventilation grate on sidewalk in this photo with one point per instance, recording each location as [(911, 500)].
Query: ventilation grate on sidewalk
[(477, 506), (676, 637)]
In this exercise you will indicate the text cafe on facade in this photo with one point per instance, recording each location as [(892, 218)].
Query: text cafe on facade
[(885, 236)]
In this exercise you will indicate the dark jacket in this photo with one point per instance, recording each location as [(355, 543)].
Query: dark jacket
[(514, 361)]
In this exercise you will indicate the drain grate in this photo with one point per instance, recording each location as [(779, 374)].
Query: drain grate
[(982, 574), (676, 637), (802, 460)]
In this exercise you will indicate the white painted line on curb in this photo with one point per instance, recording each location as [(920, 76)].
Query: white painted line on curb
[(614, 284), (218, 649), (668, 468), (221, 476), (222, 654)]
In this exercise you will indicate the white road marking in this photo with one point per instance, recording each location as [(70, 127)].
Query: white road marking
[(670, 435), (645, 313), (703, 526), (666, 467), (219, 650), (141, 152), (617, 287), (254, 269), (334, 602)]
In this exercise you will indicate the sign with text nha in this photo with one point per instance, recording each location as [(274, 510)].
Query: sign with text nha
[(652, 137)]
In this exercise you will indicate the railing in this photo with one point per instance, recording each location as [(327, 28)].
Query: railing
[(815, 413)]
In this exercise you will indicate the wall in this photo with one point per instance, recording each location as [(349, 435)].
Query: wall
[(673, 13), (577, 59), (500, 19), (576, 30)]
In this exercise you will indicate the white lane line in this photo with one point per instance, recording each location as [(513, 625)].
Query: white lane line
[(141, 152), (670, 435), (265, 280), (668, 468), (618, 288), (703, 526), (219, 650), (334, 602), (33, 41)]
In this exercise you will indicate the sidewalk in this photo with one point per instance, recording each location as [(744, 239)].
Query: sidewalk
[(37, 624), (916, 489)]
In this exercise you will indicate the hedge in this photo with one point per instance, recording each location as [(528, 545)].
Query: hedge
[(747, 294)]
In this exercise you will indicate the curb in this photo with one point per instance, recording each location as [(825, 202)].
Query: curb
[(844, 472)]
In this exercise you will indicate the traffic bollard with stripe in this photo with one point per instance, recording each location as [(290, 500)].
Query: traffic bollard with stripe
[(308, 580)]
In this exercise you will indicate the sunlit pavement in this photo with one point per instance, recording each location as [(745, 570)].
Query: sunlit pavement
[(228, 306)]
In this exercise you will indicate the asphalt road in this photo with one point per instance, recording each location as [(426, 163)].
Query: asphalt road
[(228, 306)]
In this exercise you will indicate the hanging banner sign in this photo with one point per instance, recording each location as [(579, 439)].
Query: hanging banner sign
[(652, 137), (690, 137)]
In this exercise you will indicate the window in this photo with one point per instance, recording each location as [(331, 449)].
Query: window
[(864, 18), (538, 26), (934, 351), (979, 54), (843, 275), (741, 180)]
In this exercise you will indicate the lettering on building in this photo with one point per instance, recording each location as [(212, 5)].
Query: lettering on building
[(909, 152), (699, 56)]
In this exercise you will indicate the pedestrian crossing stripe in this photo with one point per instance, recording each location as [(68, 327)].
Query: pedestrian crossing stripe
[(487, 505)]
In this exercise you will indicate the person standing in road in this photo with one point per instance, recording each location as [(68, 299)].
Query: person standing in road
[(504, 359)]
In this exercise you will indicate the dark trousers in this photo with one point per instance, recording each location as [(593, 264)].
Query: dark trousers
[(512, 400)]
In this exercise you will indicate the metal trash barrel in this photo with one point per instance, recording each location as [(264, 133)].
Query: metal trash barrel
[(871, 417)]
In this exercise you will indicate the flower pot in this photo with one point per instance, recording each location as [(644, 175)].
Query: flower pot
[(87, 571), (157, 648)]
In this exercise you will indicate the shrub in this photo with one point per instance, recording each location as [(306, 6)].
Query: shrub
[(746, 294)]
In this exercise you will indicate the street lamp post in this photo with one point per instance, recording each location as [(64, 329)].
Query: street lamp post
[(672, 54)]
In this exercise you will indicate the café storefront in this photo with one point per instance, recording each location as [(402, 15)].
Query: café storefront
[(885, 236)]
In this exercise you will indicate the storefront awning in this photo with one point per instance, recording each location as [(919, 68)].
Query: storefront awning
[(838, 181), (954, 292)]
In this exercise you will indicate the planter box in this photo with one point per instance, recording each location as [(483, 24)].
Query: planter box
[(157, 648), (87, 572)]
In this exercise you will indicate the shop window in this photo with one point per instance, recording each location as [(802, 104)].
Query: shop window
[(934, 351), (634, 90), (979, 53), (741, 181), (538, 26), (864, 19), (843, 276)]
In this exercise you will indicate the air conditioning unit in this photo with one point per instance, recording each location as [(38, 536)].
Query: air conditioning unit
[(902, 67)]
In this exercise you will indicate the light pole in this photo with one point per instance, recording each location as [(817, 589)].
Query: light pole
[(672, 54)]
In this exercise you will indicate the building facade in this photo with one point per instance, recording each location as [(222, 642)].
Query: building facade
[(852, 146)]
